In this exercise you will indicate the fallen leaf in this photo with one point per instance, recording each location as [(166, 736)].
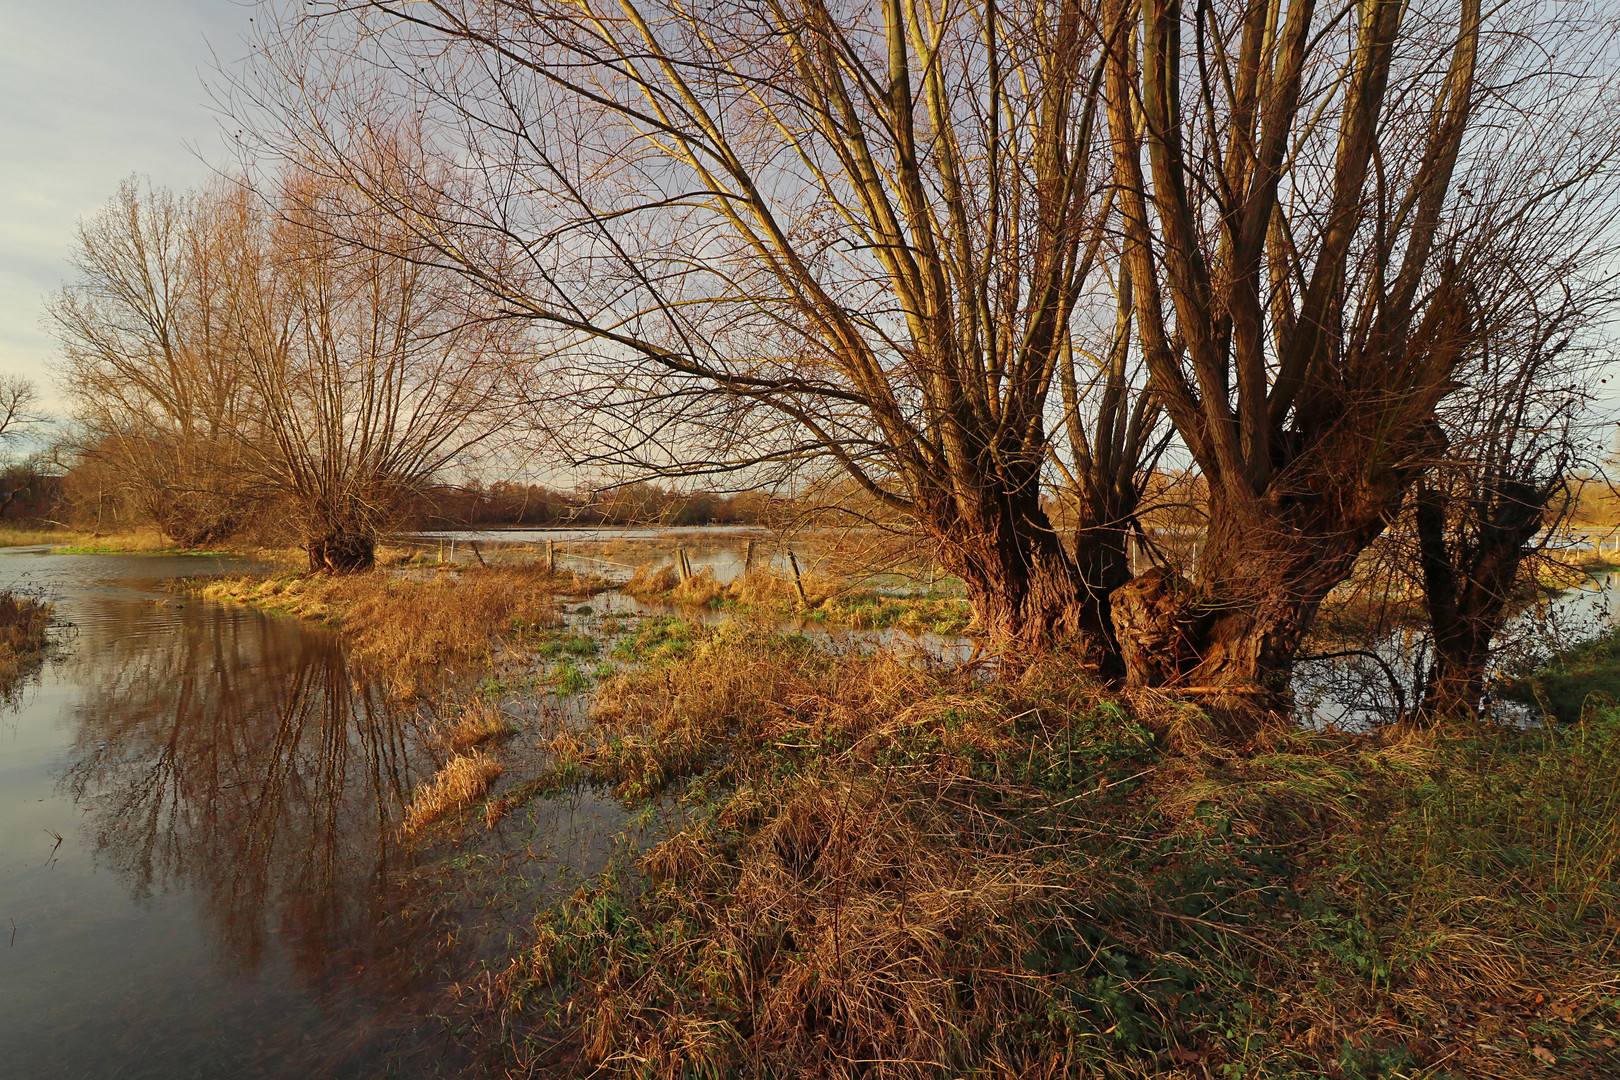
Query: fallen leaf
[(1182, 1056), (1545, 1054)]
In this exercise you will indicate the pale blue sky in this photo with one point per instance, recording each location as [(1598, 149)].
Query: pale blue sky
[(90, 92)]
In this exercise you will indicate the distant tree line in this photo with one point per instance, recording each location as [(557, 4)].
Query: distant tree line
[(637, 504)]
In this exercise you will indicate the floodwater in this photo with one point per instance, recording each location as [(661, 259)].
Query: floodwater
[(199, 867), (726, 551), (1359, 692), (200, 874)]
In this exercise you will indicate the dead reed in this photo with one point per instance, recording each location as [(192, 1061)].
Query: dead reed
[(23, 623), (476, 721), (460, 782)]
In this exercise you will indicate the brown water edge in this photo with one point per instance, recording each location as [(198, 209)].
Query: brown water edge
[(229, 897)]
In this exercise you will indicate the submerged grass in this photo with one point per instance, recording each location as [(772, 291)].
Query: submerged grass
[(823, 601), (886, 871), (23, 622)]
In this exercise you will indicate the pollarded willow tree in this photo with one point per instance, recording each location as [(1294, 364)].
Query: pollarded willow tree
[(1312, 194), (149, 359), (1516, 430), (226, 352), (761, 233), (372, 370)]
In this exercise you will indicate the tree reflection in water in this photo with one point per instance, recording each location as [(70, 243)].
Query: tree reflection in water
[(238, 758)]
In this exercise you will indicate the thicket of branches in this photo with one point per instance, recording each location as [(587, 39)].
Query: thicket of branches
[(973, 254), (228, 354), (1342, 265)]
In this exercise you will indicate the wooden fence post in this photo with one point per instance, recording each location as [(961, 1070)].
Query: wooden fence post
[(798, 582)]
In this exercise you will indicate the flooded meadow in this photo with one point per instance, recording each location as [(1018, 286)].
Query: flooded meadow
[(201, 870)]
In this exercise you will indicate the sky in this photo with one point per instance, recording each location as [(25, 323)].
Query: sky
[(92, 91)]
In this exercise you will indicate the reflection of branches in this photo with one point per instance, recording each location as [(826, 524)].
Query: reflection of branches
[(236, 757)]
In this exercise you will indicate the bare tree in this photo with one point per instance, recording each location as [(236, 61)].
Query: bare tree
[(777, 235), (225, 354), (18, 415), (150, 358), (1310, 193), (1515, 432), (371, 370), (19, 400)]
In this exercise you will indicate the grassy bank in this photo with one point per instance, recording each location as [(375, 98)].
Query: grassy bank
[(1582, 678), (135, 541), (77, 541), (23, 622), (891, 872)]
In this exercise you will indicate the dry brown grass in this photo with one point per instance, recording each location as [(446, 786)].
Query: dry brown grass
[(415, 630), (23, 623), (856, 923), (476, 722), (652, 579), (460, 782), (889, 872)]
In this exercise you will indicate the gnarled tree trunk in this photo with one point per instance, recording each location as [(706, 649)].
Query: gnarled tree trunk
[(1468, 578), (1026, 589), (1232, 637), (342, 552)]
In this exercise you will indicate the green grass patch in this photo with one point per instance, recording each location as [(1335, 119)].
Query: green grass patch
[(1562, 688)]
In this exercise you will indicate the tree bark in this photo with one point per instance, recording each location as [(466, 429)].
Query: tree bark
[(1467, 582), (342, 552), (1027, 591), (1233, 636)]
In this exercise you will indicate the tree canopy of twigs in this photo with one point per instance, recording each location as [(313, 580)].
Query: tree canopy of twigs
[(755, 235), (231, 356), (965, 251)]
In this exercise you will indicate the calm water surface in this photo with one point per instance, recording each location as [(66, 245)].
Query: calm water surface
[(227, 898)]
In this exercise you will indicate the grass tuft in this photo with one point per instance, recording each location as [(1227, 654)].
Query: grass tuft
[(459, 783), (478, 721)]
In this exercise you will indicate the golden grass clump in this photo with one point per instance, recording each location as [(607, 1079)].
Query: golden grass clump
[(698, 590), (23, 622), (413, 630), (460, 782), (652, 579)]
